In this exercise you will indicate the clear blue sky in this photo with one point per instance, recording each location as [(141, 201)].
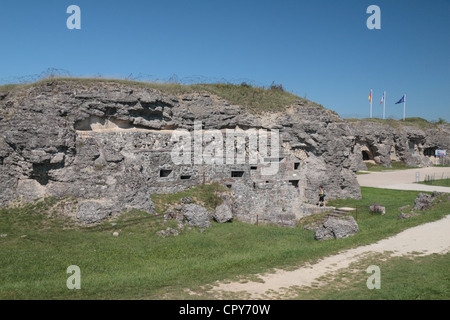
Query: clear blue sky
[(320, 49)]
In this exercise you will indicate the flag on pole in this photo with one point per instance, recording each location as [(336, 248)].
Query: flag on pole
[(401, 100), (370, 96), (382, 98)]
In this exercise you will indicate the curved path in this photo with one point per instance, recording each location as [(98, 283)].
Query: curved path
[(405, 179), (429, 238)]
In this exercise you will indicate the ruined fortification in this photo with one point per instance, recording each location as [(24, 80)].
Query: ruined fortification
[(383, 144), (110, 145)]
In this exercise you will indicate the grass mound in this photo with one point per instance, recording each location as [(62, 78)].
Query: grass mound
[(254, 99)]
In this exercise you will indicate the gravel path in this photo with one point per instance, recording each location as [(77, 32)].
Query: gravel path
[(429, 238), (405, 179)]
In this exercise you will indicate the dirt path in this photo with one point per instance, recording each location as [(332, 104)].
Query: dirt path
[(405, 179), (429, 238)]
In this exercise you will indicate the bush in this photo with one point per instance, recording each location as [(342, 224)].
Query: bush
[(277, 87), (441, 121)]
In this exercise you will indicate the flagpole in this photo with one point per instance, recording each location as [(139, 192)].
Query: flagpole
[(384, 105), (371, 98), (404, 106)]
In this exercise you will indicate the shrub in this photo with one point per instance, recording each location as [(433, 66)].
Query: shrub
[(277, 87)]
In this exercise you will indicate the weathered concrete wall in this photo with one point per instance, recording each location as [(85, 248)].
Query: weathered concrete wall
[(108, 142), (385, 144)]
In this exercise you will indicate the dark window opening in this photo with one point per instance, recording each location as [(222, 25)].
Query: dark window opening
[(164, 173), (296, 165), (229, 186), (253, 168), (366, 156), (237, 174), (185, 177), (294, 182)]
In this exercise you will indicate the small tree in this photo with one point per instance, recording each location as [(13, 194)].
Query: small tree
[(441, 121)]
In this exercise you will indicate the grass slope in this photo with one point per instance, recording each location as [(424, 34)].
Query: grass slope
[(138, 264)]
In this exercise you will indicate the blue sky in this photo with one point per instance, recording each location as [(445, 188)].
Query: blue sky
[(320, 49)]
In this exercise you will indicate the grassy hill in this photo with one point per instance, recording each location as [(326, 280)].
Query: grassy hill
[(255, 99)]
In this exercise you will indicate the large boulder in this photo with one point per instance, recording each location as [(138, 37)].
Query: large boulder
[(423, 202), (223, 213), (337, 228), (196, 215)]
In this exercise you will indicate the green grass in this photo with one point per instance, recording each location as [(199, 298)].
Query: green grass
[(204, 195), (437, 182), (384, 197), (390, 122), (401, 278), (254, 99), (417, 122), (139, 264), (9, 87), (396, 165)]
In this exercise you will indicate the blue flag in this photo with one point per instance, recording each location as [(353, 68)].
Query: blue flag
[(401, 100)]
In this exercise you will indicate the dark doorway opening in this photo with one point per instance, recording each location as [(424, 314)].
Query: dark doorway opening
[(429, 152), (366, 155)]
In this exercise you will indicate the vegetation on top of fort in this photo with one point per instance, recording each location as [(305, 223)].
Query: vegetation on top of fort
[(417, 122), (255, 99)]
